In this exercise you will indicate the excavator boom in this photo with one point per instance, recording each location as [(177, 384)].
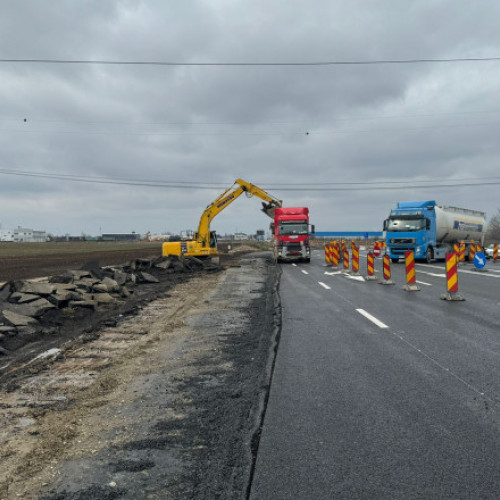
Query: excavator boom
[(204, 242)]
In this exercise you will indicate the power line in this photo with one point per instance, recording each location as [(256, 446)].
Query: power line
[(308, 184), (212, 186), (312, 63), (117, 181)]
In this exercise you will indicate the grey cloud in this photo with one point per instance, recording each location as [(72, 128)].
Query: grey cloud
[(214, 124)]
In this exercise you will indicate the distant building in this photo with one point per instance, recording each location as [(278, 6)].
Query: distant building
[(25, 235), (241, 236), (121, 237), (6, 235)]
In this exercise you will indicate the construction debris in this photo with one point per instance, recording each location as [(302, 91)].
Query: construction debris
[(24, 303)]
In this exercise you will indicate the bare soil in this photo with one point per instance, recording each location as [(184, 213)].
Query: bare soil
[(23, 261), (158, 398)]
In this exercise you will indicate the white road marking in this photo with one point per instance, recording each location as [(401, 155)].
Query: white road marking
[(485, 274), (460, 270), (305, 272), (324, 286), (424, 283), (357, 278), (372, 318), (433, 274), (429, 265), (294, 265), (332, 273)]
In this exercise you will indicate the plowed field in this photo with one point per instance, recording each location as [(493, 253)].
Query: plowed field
[(32, 260)]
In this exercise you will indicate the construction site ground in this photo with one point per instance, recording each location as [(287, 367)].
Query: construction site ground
[(160, 397)]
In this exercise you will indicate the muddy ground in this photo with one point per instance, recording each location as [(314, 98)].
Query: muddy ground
[(20, 267), (159, 398)]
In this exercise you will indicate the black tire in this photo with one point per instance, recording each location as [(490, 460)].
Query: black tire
[(429, 255), (307, 260), (395, 260)]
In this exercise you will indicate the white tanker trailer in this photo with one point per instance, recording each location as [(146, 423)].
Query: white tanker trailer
[(431, 230)]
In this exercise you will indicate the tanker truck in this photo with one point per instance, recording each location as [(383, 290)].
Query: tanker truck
[(430, 230)]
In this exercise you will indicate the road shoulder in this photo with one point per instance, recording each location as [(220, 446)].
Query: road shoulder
[(170, 415)]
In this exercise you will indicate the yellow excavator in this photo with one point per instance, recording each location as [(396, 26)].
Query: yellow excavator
[(204, 242)]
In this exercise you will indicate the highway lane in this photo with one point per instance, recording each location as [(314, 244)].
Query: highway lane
[(382, 393)]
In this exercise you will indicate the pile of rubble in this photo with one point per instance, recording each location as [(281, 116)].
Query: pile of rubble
[(23, 304)]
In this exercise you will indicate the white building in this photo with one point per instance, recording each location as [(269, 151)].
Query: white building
[(25, 235), (6, 235), (241, 236)]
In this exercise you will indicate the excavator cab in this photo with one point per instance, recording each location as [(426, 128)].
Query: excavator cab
[(213, 240)]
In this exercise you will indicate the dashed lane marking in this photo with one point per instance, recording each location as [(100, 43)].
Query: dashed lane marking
[(324, 285), (305, 272), (293, 264), (373, 319), (424, 283)]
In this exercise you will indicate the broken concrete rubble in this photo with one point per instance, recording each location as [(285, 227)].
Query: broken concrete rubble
[(42, 289), (87, 304), (23, 303), (22, 298), (33, 309), (147, 278), (17, 320)]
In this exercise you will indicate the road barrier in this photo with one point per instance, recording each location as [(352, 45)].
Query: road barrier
[(456, 249), (327, 254), (335, 255), (370, 266), (387, 272), (346, 260), (411, 285), (472, 251), (451, 279), (462, 252), (495, 253), (355, 261)]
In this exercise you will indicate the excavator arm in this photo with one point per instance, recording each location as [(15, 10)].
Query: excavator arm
[(226, 198), (204, 242)]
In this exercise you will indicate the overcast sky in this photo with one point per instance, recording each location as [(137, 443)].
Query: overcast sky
[(304, 133)]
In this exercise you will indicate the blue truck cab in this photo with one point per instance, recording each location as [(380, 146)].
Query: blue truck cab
[(411, 226)]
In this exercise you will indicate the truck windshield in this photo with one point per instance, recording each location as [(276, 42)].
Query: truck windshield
[(406, 224), (293, 228)]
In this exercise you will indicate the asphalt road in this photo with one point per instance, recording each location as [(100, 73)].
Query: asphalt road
[(380, 393)]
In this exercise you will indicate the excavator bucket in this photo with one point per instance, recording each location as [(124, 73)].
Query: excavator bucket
[(268, 208)]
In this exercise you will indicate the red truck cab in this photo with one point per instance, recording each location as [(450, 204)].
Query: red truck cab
[(291, 234)]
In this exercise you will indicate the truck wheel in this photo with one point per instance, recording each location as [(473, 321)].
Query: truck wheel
[(395, 260), (429, 255)]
